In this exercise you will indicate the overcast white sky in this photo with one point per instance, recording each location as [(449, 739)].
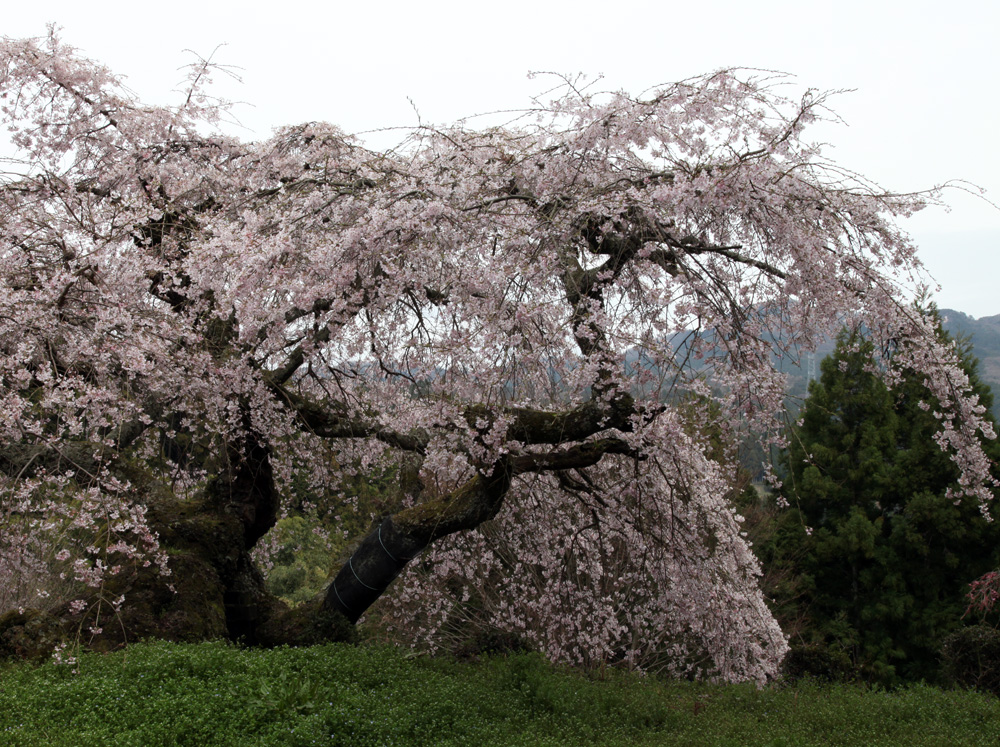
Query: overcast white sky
[(926, 109)]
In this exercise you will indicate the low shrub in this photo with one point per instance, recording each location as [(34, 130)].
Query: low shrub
[(970, 657), (818, 661)]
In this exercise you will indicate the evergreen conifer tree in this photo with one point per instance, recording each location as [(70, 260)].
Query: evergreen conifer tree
[(881, 555)]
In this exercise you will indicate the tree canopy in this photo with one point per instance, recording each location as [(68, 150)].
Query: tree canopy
[(191, 320)]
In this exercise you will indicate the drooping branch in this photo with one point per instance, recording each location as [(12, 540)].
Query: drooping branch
[(691, 245)]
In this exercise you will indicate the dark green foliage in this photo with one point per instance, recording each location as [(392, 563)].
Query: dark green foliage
[(159, 694), (491, 642), (30, 634), (971, 658), (817, 660), (877, 557), (302, 562)]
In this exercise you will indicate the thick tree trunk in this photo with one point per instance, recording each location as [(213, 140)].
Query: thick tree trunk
[(387, 549), (213, 590)]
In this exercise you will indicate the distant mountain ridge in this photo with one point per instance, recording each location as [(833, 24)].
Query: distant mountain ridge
[(985, 336)]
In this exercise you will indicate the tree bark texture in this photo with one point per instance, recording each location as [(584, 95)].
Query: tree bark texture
[(213, 590)]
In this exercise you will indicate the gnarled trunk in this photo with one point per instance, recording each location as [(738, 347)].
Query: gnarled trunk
[(213, 589)]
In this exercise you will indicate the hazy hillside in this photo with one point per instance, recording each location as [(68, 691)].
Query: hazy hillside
[(985, 334)]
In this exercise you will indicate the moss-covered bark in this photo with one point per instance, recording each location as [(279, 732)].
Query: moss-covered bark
[(213, 589)]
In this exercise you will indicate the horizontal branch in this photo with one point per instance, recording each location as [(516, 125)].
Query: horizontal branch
[(574, 457), (331, 420), (531, 426), (731, 253)]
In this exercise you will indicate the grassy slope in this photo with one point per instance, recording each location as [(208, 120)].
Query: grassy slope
[(214, 694)]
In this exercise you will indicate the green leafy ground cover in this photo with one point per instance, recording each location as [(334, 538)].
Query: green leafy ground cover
[(215, 694)]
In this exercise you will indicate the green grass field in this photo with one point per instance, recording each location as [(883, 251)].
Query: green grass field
[(215, 694)]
